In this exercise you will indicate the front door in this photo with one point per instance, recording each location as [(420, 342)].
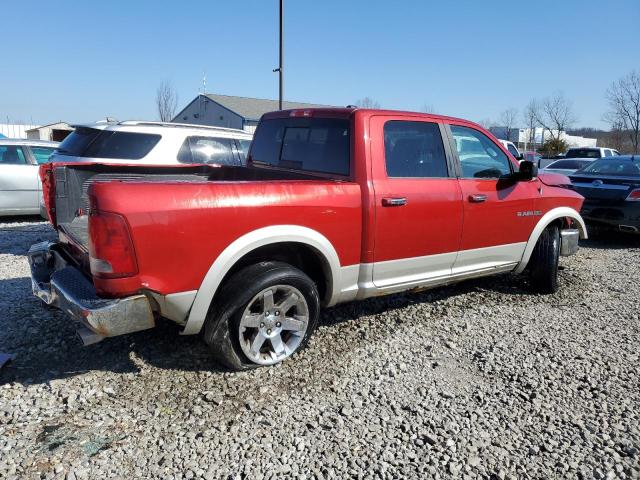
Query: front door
[(499, 212), (18, 182), (418, 204)]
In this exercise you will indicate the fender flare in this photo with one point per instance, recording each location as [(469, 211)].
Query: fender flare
[(246, 244), (547, 218)]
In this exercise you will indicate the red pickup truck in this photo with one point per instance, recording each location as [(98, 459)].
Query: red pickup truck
[(335, 205)]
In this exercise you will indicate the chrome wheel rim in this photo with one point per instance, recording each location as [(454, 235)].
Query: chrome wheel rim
[(273, 324)]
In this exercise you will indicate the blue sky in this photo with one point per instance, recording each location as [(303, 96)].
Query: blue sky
[(83, 60)]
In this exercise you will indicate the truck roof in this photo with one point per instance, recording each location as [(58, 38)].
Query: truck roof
[(347, 111)]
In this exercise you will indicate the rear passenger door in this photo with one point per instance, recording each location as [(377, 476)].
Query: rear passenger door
[(499, 212), (18, 181), (418, 204)]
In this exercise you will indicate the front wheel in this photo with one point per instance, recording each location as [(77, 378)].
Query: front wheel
[(266, 313), (543, 264)]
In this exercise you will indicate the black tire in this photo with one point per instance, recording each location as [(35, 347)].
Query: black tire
[(221, 329), (543, 265)]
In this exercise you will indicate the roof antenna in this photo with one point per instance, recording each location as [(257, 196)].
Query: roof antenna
[(204, 82)]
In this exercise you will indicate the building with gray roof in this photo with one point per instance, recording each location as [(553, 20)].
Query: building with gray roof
[(230, 111)]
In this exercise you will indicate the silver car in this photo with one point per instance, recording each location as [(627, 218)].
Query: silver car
[(20, 188)]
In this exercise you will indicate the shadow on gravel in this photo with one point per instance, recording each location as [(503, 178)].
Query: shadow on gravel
[(46, 347), (16, 239)]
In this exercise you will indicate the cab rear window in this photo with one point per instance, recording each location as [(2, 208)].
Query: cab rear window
[(310, 144)]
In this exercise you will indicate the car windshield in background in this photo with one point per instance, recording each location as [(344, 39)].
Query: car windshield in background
[(583, 153), (77, 141), (620, 168), (310, 144), (569, 164)]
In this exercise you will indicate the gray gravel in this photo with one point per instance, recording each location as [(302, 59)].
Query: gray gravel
[(481, 380)]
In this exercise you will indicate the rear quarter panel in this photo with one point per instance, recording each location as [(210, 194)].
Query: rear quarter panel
[(179, 229)]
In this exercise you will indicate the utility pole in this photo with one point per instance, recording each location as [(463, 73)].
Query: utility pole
[(281, 64)]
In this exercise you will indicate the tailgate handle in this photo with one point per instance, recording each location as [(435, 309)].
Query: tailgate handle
[(394, 201), (477, 198)]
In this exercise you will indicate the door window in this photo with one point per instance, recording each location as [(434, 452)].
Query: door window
[(12, 155), (479, 156), (414, 149), (207, 150), (243, 149), (41, 154)]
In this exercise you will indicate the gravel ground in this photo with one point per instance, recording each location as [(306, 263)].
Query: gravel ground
[(478, 380)]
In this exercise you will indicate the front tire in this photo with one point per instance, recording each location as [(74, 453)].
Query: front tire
[(543, 265), (264, 314)]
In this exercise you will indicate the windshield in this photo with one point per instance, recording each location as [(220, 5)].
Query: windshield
[(621, 168), (310, 144), (583, 153)]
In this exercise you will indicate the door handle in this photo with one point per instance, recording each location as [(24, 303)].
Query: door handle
[(477, 198), (394, 201)]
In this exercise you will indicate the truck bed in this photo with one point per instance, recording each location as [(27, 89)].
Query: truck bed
[(72, 183), (182, 218)]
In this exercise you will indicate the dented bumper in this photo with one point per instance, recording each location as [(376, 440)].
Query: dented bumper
[(61, 285)]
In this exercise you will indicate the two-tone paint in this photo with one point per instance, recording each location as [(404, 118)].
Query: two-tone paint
[(372, 234)]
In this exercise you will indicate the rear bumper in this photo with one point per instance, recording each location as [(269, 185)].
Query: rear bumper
[(61, 285), (625, 217)]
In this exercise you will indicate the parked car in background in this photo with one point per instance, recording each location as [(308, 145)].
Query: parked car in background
[(611, 188), (334, 205), (513, 150), (566, 166), (590, 152), (20, 188), (154, 143)]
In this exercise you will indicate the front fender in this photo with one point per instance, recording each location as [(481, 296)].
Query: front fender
[(544, 222)]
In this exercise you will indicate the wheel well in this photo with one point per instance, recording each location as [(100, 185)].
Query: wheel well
[(303, 257)]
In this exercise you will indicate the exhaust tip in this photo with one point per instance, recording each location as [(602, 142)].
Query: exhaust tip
[(87, 337)]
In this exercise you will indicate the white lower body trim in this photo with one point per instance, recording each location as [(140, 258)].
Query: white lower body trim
[(392, 276), (175, 306), (488, 257)]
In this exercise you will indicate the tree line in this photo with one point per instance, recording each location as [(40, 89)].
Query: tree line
[(555, 114)]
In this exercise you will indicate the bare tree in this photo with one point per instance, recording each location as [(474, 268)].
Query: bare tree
[(508, 120), (624, 103), (166, 101), (486, 123), (428, 108), (529, 116), (367, 102), (555, 114)]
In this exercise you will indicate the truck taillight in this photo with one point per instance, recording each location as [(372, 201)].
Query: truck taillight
[(634, 196), (111, 252)]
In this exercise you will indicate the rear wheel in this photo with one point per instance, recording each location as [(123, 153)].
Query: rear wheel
[(266, 313), (543, 264)]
